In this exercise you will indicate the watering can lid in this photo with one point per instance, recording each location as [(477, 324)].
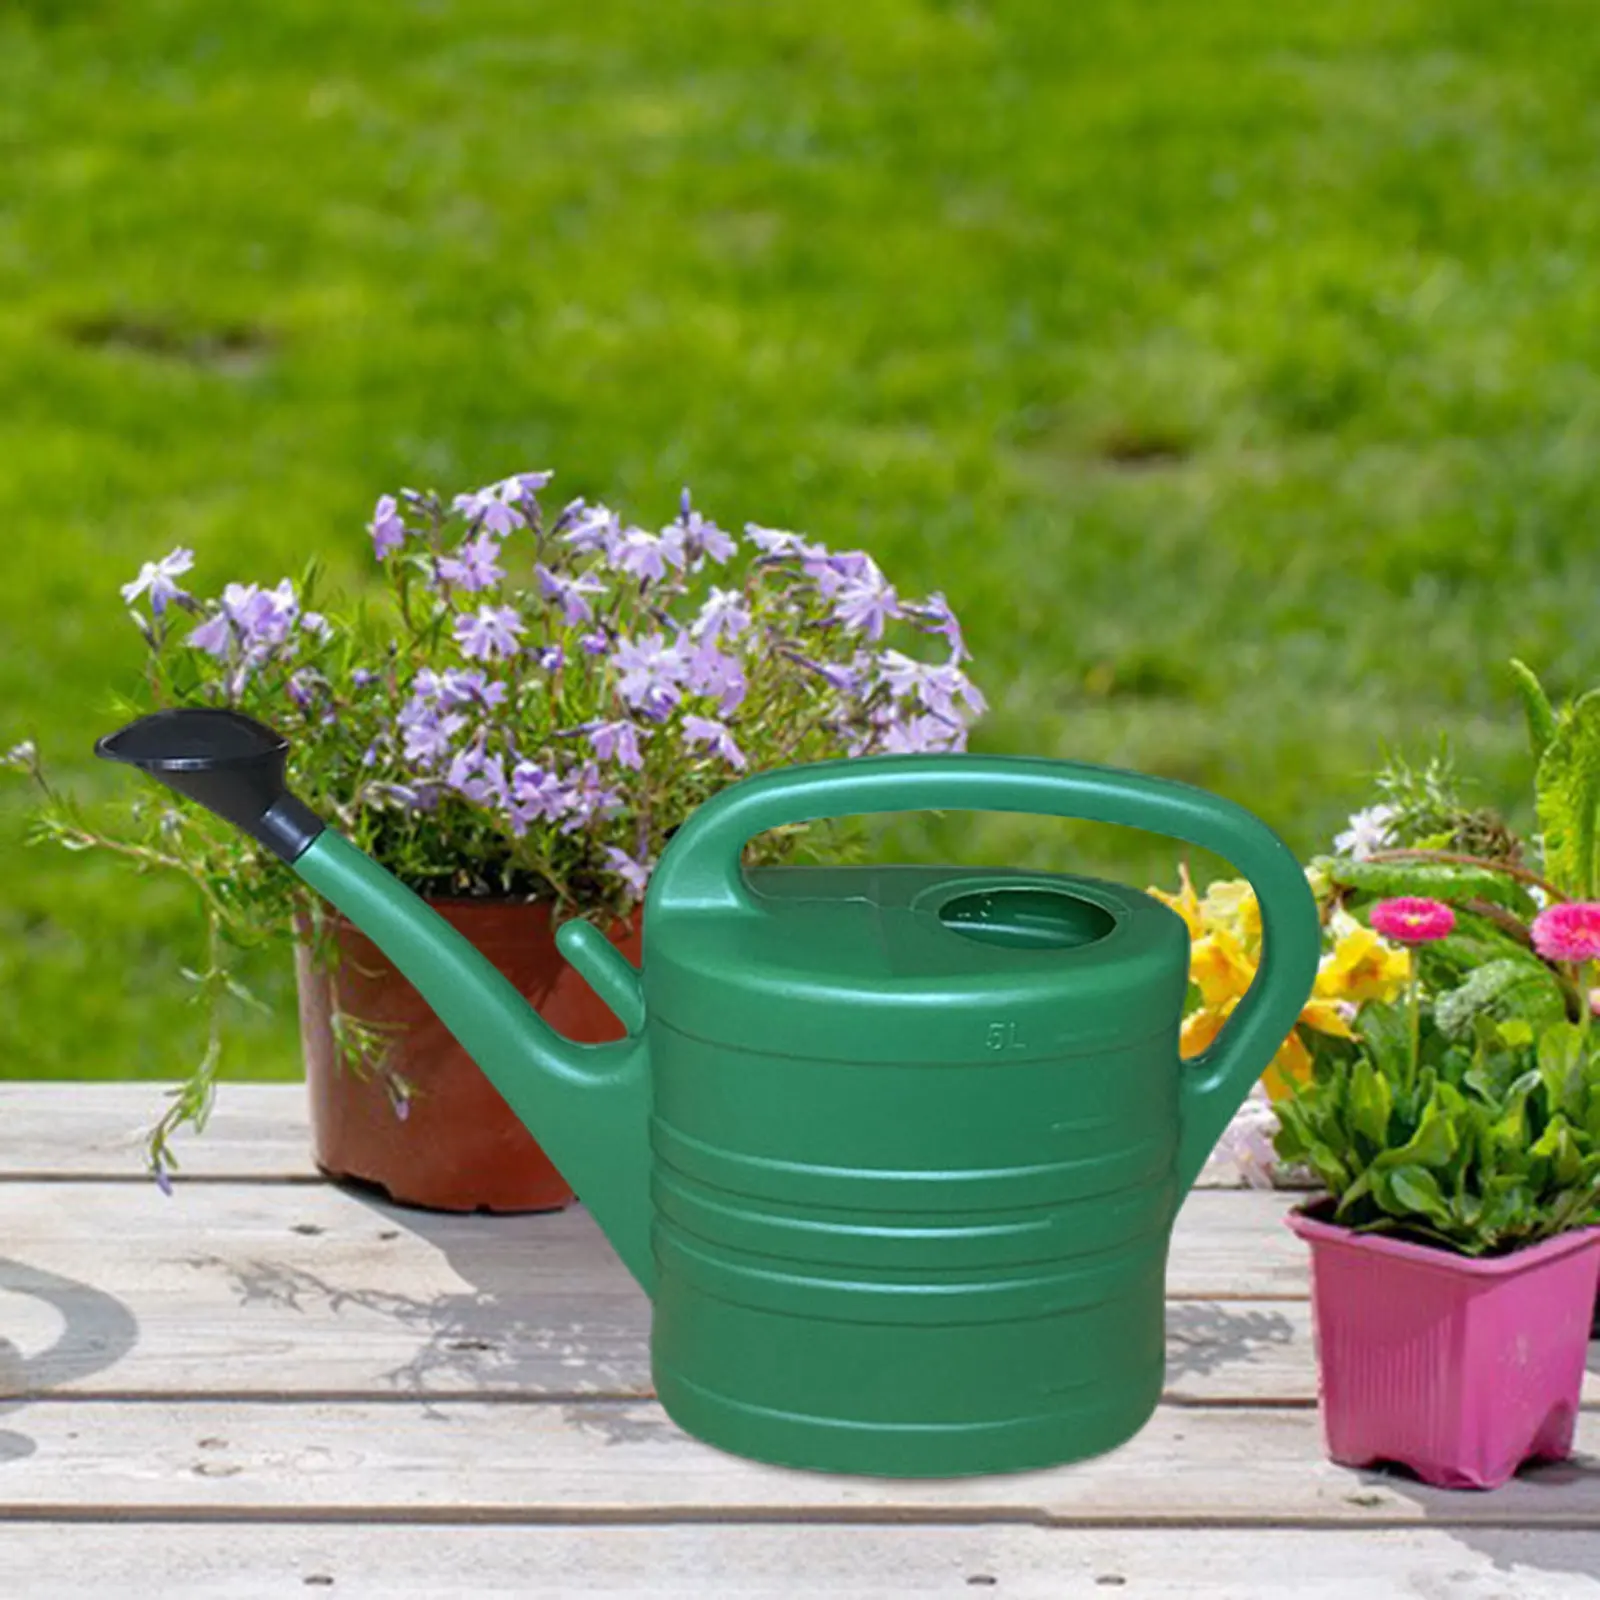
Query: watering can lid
[(927, 964)]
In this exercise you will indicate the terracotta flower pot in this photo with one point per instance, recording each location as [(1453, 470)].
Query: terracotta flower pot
[(458, 1148), (1458, 1367)]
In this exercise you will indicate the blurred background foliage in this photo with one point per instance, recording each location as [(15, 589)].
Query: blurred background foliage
[(1232, 368)]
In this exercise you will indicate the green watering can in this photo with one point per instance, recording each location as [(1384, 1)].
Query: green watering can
[(895, 1151)]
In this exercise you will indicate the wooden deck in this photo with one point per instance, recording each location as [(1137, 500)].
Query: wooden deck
[(269, 1386)]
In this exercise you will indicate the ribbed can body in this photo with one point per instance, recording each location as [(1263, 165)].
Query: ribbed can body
[(907, 1268)]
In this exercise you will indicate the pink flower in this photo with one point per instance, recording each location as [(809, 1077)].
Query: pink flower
[(1413, 920), (1569, 932)]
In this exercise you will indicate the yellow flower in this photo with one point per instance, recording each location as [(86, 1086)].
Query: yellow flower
[(1326, 1017), (1199, 1029), (1220, 967), (1225, 949), (1185, 902), (1290, 1066), (1361, 965), (1231, 904)]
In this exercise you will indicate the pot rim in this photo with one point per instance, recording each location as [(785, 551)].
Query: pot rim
[(1317, 1232)]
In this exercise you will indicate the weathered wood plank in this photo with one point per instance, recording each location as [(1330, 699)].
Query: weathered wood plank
[(244, 1289), (1225, 1243), (253, 1562), (258, 1130), (97, 1130), (588, 1459), (397, 1316)]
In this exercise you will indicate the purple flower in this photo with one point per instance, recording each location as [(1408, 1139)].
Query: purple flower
[(302, 688), (708, 731), (489, 632), (918, 734), (477, 776), (416, 797), (163, 1178), (155, 578), (262, 616), (651, 672), (864, 603), (589, 797), (537, 795), (473, 566), (633, 873), (570, 593), (775, 541), (521, 487), (595, 644), (645, 555), (260, 619), (428, 734), (213, 635), (835, 571), (938, 616), (593, 528), (937, 688), (387, 530), (847, 680), (570, 513), (464, 686), (706, 670), (700, 537), (552, 658), (617, 740), (725, 614), (362, 676), (489, 511)]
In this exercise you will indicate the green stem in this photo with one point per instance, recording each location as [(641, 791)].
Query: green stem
[(1415, 999), (1461, 859), (1586, 977)]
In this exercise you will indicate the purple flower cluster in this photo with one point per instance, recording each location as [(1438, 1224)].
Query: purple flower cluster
[(563, 694)]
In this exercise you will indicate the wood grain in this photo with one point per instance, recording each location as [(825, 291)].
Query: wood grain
[(97, 1130), (623, 1459), (230, 1561), (242, 1289)]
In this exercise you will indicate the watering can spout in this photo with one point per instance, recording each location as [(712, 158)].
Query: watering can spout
[(587, 1104)]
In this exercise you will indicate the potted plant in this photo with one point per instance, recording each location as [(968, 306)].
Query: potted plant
[(1455, 1129), (1454, 1260), (513, 721)]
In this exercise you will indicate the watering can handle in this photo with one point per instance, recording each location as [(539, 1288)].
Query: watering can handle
[(701, 870)]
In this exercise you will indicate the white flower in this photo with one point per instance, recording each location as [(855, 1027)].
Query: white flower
[(1247, 1140), (1366, 833)]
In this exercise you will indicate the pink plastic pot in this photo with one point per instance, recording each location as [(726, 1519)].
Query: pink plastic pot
[(1460, 1369)]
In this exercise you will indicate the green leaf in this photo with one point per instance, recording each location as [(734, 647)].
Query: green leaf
[(1512, 984), (1412, 1192), (1568, 798), (1386, 1032), (1433, 880), (1562, 1063), (1558, 1146), (1371, 1101), (1335, 1175), (1536, 707), (1432, 1145)]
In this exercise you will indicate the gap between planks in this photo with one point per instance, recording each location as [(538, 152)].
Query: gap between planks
[(757, 1516)]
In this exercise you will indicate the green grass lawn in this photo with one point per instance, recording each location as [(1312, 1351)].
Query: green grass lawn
[(1232, 368)]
